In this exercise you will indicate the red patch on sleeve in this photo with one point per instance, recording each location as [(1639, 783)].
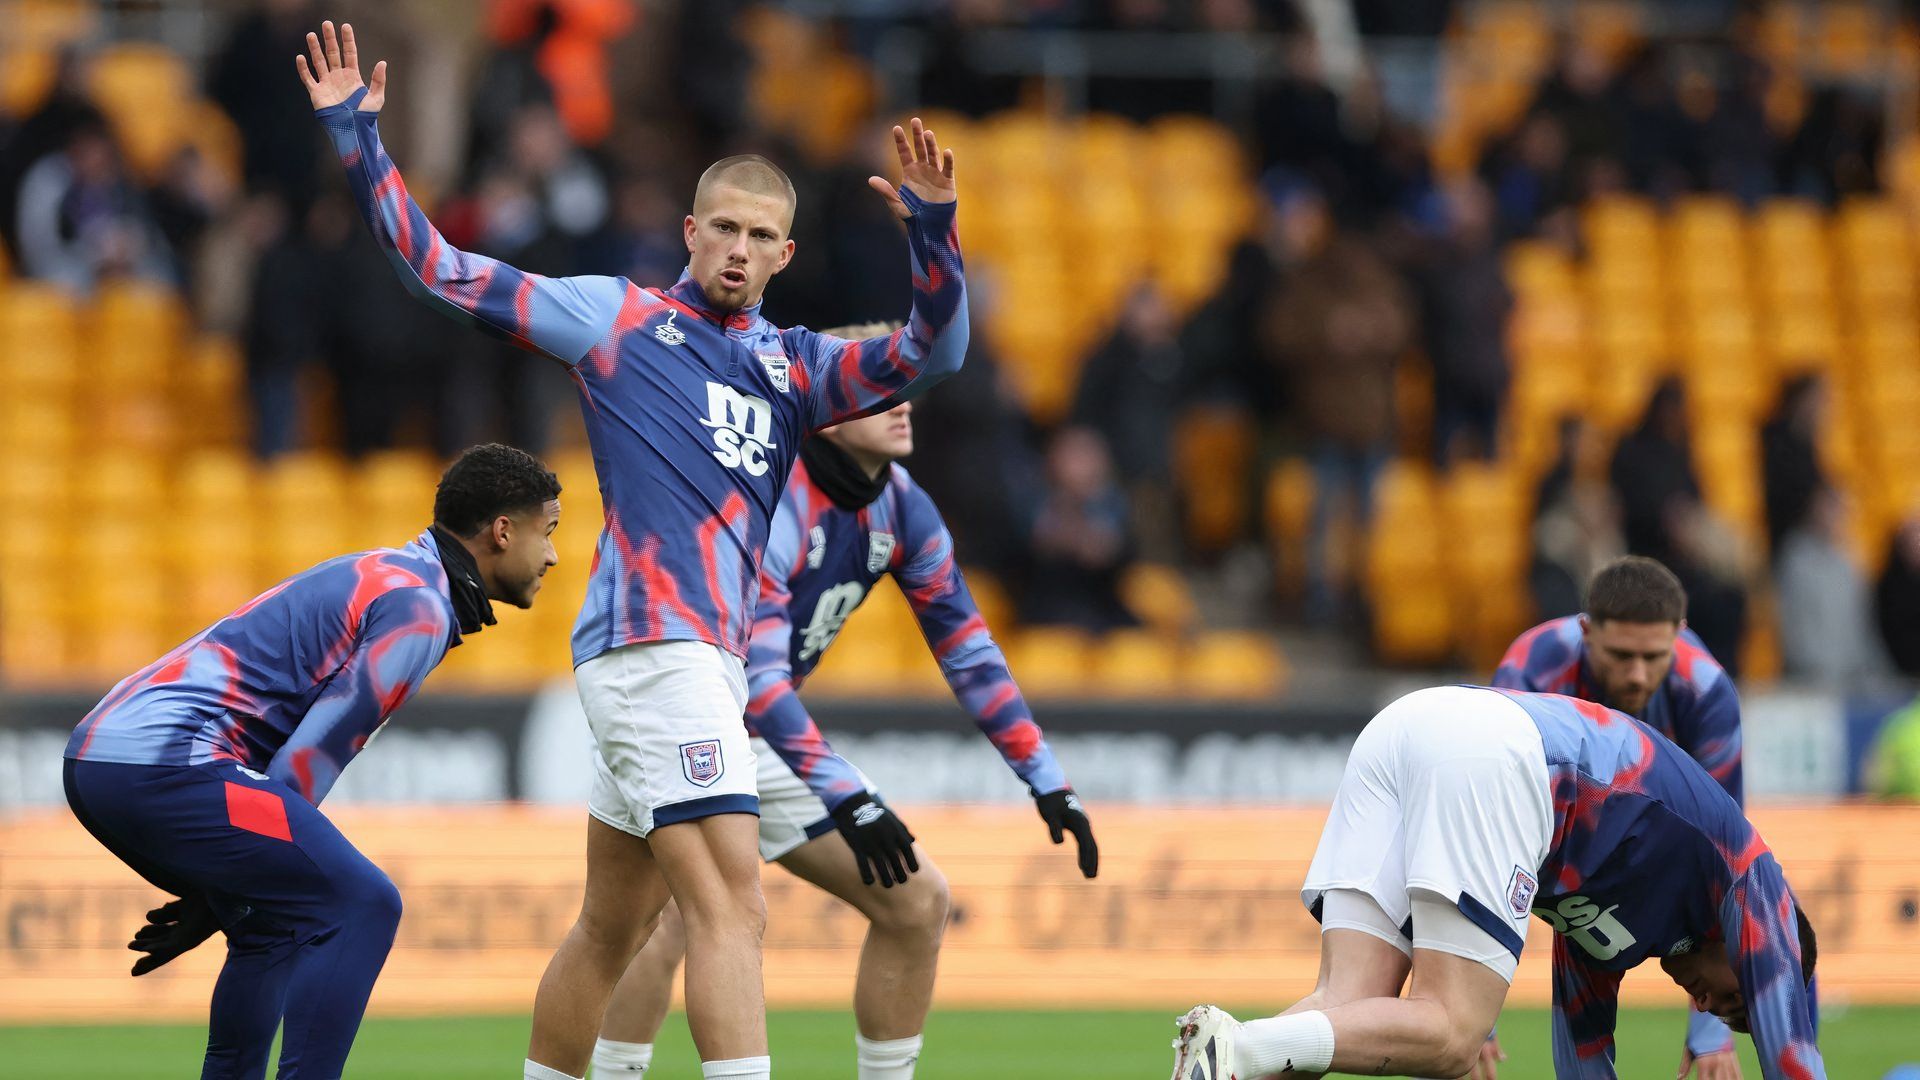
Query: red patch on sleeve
[(257, 811)]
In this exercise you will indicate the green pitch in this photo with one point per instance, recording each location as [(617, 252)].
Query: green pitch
[(1859, 1044)]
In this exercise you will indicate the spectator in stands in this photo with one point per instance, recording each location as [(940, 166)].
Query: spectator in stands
[(1836, 152), (283, 324), (1660, 146), (1897, 598), (1741, 150), (190, 194), (80, 218), (248, 79), (643, 242), (975, 456), (1713, 567), (1129, 392), (1576, 522), (1790, 456), (47, 130), (1336, 326), (1080, 541), (1826, 619), (572, 198), (1530, 176), (1653, 473), (1465, 304), (1574, 96)]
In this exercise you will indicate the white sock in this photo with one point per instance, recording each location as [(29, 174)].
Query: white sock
[(613, 1058), (1302, 1042), (754, 1068), (886, 1059), (537, 1071)]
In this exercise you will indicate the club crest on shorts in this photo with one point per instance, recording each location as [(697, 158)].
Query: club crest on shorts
[(669, 333), (776, 365), (879, 551), (1520, 889), (701, 763)]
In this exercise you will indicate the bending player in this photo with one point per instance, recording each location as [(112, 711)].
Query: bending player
[(849, 517), (695, 407), (1632, 651), (204, 771), (1464, 808)]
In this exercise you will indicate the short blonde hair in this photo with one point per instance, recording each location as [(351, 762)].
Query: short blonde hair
[(748, 172)]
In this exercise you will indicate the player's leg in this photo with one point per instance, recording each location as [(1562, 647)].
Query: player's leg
[(624, 893), (897, 962), (309, 919), (641, 1001), (712, 867)]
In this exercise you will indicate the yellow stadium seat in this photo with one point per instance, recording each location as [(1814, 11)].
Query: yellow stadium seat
[(137, 328), (1183, 145), (26, 77), (1709, 226), (1212, 450), (1135, 664), (146, 91), (38, 427), (1804, 340), (1050, 661), (1234, 664), (119, 483), (208, 388), (394, 489), (1536, 268), (1158, 594)]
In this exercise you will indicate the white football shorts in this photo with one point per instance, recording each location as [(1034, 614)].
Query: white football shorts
[(668, 722), (1446, 796), (790, 813)]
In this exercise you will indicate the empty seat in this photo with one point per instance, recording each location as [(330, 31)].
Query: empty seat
[(1135, 663), (1235, 664), (1050, 660)]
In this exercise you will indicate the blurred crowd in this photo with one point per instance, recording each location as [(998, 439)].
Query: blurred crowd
[(566, 137)]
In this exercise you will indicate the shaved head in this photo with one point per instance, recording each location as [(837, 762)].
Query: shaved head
[(750, 173)]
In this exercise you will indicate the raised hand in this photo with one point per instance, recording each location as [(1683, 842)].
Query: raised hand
[(925, 169), (1719, 1065), (334, 72)]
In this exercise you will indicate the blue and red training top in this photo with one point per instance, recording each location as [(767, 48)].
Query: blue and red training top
[(1695, 706), (1649, 858), (822, 562), (294, 682), (694, 415)]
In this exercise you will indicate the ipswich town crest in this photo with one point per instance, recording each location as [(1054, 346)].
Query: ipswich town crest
[(700, 762)]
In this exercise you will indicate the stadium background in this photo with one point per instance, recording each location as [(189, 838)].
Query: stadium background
[(1320, 348)]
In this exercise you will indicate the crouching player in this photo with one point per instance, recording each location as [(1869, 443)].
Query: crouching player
[(1461, 810), (850, 516), (204, 771), (1631, 650)]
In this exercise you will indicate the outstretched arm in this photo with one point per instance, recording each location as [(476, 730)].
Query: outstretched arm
[(1586, 1006), (560, 318), (1758, 917), (774, 710), (849, 379), (403, 636)]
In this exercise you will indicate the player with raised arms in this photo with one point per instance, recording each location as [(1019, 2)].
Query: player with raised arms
[(1462, 810), (1631, 650), (204, 770), (850, 516), (695, 408)]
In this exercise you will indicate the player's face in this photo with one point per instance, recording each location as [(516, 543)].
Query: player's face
[(1629, 660), (526, 555), (736, 241), (882, 436), (1709, 980)]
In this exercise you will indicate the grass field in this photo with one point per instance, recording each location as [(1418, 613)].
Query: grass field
[(1859, 1044)]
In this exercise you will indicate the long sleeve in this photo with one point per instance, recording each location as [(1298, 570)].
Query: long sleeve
[(1586, 1006), (1757, 915), (561, 318), (403, 636), (1712, 737), (774, 709), (972, 662), (848, 379)]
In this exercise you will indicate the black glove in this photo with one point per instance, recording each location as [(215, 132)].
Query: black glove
[(172, 930), (1062, 812), (879, 839)]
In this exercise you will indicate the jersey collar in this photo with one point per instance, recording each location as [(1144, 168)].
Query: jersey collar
[(689, 292)]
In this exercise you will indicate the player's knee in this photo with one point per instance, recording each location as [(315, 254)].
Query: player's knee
[(370, 899), (922, 908), (1457, 1051)]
